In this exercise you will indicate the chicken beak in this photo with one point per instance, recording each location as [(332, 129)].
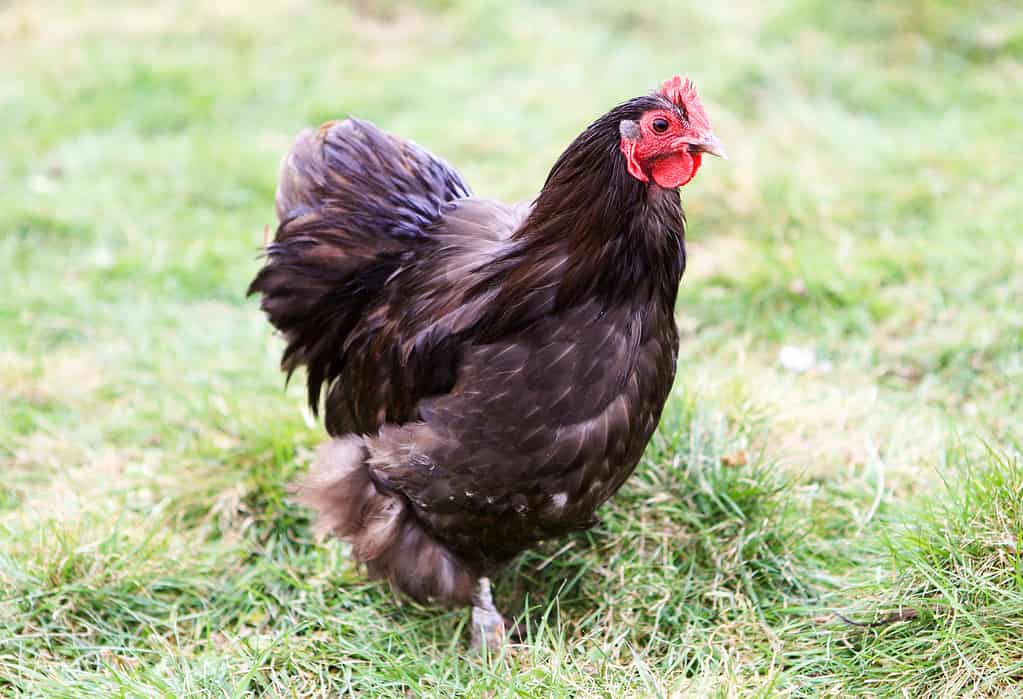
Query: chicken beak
[(711, 145)]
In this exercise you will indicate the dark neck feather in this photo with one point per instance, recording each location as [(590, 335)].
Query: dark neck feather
[(595, 233), (621, 239)]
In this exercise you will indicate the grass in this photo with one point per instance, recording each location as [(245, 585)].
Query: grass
[(870, 214)]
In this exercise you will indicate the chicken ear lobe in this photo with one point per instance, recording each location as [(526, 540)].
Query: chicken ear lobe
[(630, 140), (629, 129)]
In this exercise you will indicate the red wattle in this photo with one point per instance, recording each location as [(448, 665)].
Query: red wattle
[(676, 169)]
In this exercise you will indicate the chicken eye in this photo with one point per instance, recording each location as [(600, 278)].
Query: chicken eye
[(659, 125)]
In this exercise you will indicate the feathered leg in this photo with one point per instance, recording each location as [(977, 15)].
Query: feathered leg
[(383, 533)]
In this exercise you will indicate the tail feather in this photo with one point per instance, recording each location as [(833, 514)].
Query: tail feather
[(351, 201), (384, 533)]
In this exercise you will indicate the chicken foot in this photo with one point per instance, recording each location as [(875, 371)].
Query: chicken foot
[(488, 626)]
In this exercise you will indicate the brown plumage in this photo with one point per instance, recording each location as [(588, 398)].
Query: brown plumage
[(492, 373)]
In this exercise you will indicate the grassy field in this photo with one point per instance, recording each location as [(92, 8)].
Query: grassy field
[(852, 529)]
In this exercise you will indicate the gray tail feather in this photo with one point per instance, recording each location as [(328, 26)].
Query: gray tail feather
[(384, 533)]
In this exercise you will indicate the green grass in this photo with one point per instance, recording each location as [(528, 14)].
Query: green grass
[(871, 212)]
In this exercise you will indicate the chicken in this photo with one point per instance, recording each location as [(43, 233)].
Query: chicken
[(491, 373)]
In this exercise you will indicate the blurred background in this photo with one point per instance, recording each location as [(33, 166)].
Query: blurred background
[(852, 321)]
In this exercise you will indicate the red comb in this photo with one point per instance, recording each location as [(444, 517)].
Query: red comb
[(678, 91), (682, 94)]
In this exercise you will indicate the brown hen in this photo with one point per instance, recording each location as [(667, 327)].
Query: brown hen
[(492, 372)]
